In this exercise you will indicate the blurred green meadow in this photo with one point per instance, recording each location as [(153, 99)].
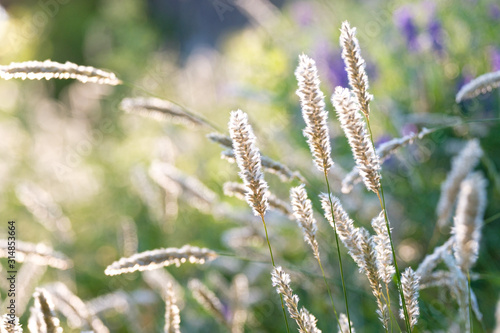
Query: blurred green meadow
[(70, 144)]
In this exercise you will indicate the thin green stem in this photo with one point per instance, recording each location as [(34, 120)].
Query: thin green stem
[(329, 294), (381, 199), (469, 301), (492, 218), (388, 302), (338, 252), (272, 260)]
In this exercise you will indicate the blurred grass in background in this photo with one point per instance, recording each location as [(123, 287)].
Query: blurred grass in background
[(73, 141)]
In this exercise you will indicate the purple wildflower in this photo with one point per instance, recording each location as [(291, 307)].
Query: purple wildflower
[(404, 20), (436, 34), (330, 59), (494, 11)]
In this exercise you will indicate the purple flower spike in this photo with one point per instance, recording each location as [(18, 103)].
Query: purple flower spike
[(330, 58), (436, 34), (404, 20), (494, 11)]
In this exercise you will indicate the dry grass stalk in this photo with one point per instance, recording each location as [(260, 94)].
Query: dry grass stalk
[(73, 308), (28, 277), (459, 290), (160, 258), (432, 260), (239, 191), (469, 220), (354, 128), (208, 300), (461, 166), (384, 151), (10, 325), (121, 302), (248, 159), (128, 236), (344, 324), (439, 278), (410, 285), (314, 113), (40, 254), (388, 148), (305, 320), (159, 279), (43, 303), (221, 139), (148, 192), (268, 165), (198, 195), (45, 209), (355, 67), (160, 109), (37, 70), (480, 85), (172, 312), (303, 212), (284, 173), (240, 293), (383, 249)]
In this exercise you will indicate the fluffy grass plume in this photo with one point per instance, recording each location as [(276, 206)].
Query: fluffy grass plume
[(361, 248), (73, 308), (28, 277), (355, 67), (169, 177), (354, 128), (49, 323), (161, 109), (480, 85), (410, 285), (45, 209), (346, 230), (469, 220), (159, 258), (10, 325), (248, 159), (383, 249), (314, 113), (303, 212), (461, 166), (172, 312), (344, 324), (40, 254), (37, 70), (208, 300), (239, 191), (305, 320)]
